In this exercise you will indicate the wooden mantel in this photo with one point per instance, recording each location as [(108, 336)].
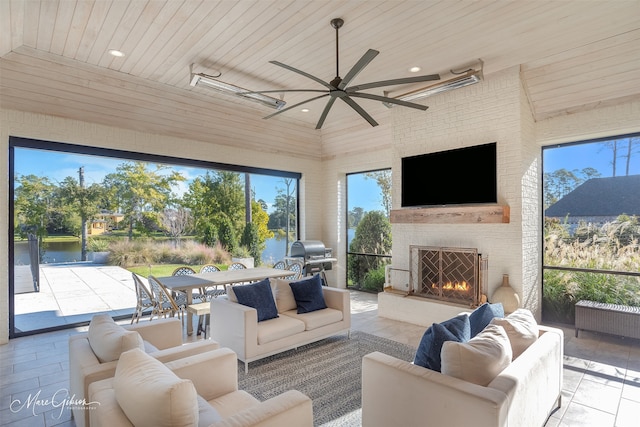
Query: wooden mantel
[(481, 214)]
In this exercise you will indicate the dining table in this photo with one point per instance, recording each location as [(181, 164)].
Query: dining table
[(188, 282)]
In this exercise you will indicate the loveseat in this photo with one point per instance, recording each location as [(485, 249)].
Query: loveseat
[(198, 390), (237, 326), (93, 355), (523, 392)]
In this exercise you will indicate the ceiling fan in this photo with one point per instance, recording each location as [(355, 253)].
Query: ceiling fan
[(338, 89)]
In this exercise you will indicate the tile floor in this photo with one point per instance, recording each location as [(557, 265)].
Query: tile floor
[(601, 374)]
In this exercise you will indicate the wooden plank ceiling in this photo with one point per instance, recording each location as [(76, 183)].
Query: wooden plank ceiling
[(574, 55)]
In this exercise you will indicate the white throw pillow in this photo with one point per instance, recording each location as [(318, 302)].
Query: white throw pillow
[(522, 329), (108, 340), (480, 359), (151, 395), (285, 300)]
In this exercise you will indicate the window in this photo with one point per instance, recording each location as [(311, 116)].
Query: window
[(72, 204), (368, 229), (591, 201)]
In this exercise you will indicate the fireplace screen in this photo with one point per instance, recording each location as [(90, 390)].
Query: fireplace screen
[(447, 274)]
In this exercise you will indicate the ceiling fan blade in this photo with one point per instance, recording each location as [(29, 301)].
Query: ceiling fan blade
[(295, 105), (355, 70), (360, 111), (392, 82), (307, 75), (325, 112), (389, 100), (282, 90)]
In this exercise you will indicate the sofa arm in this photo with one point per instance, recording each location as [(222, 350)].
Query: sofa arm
[(185, 350), (234, 326), (338, 299), (396, 392), (291, 408), (162, 333), (213, 373)]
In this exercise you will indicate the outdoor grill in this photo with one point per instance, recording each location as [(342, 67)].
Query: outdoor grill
[(315, 257)]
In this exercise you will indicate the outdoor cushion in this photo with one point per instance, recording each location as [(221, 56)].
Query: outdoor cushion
[(480, 359), (259, 296), (285, 300), (308, 294), (316, 319), (108, 340), (151, 395), (521, 328), (481, 316), (275, 329), (454, 329)]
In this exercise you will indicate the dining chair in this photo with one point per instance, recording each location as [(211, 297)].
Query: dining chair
[(165, 303), (208, 268), (295, 267), (237, 266), (144, 298), (280, 265), (184, 271)]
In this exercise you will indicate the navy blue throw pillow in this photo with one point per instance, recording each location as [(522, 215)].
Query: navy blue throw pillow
[(481, 316), (259, 296), (456, 329), (308, 294)]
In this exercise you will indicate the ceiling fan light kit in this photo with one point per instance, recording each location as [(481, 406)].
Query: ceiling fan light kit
[(211, 81)]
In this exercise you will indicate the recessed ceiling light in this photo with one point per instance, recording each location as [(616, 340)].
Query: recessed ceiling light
[(305, 110), (116, 53), (415, 69)]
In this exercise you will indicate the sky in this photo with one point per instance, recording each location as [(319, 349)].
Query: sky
[(595, 155), (362, 192)]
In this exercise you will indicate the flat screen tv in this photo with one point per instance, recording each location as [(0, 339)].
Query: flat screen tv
[(454, 177)]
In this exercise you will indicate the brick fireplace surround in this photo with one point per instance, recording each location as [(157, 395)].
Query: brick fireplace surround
[(498, 111)]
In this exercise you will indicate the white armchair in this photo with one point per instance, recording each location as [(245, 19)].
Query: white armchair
[(94, 355), (197, 390)]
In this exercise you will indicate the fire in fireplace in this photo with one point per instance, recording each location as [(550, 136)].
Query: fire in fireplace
[(455, 275)]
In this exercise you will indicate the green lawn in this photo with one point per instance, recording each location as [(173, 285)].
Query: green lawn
[(164, 269)]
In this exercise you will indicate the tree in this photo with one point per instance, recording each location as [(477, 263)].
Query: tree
[(561, 182), (284, 215), (215, 198), (142, 193), (251, 241), (33, 203), (373, 236), (176, 222), (383, 179), (355, 216), (633, 142), (83, 201)]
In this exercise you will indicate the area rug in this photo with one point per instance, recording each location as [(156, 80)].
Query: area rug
[(328, 371)]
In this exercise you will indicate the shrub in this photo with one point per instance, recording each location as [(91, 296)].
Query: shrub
[(374, 280), (146, 252)]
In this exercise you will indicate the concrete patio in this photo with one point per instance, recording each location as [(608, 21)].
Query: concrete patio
[(72, 293)]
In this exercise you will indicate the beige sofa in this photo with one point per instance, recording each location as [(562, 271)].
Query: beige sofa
[(198, 390), (396, 392), (162, 338), (236, 326)]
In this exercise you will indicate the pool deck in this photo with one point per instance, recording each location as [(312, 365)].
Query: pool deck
[(71, 293)]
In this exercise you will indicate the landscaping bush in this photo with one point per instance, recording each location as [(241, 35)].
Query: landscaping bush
[(145, 252), (613, 246)]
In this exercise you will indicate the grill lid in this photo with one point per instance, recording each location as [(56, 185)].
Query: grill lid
[(308, 249)]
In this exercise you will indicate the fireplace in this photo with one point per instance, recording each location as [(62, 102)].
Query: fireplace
[(454, 275)]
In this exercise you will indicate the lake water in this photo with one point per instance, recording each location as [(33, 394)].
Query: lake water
[(70, 252)]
